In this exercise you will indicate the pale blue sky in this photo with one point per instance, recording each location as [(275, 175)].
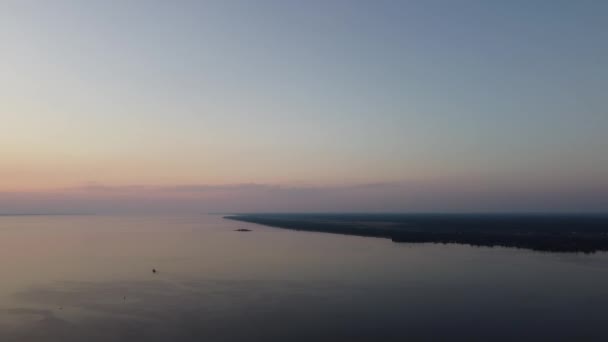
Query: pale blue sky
[(499, 95)]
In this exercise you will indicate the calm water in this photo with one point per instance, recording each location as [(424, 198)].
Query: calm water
[(89, 278)]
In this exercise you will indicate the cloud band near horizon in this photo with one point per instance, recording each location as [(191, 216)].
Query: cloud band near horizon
[(257, 197)]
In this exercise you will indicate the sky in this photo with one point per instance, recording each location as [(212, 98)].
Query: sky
[(303, 106)]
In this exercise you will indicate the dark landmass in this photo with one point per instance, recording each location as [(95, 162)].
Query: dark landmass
[(541, 232), (242, 230)]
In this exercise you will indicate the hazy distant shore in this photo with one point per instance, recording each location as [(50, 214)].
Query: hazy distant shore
[(46, 214), (553, 233)]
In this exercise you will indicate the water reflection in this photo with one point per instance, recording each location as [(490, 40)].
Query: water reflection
[(89, 278), (164, 310)]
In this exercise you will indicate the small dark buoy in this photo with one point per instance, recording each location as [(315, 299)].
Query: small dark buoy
[(154, 270)]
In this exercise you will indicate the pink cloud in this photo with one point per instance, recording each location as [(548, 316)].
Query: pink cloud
[(251, 197)]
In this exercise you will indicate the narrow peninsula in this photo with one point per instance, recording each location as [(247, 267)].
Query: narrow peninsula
[(541, 232)]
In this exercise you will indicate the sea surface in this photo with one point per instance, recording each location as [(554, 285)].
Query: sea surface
[(89, 278)]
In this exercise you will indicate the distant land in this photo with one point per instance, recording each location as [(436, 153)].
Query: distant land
[(585, 233), (46, 214)]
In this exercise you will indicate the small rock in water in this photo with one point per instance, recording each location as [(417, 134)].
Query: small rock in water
[(243, 230), (154, 270)]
